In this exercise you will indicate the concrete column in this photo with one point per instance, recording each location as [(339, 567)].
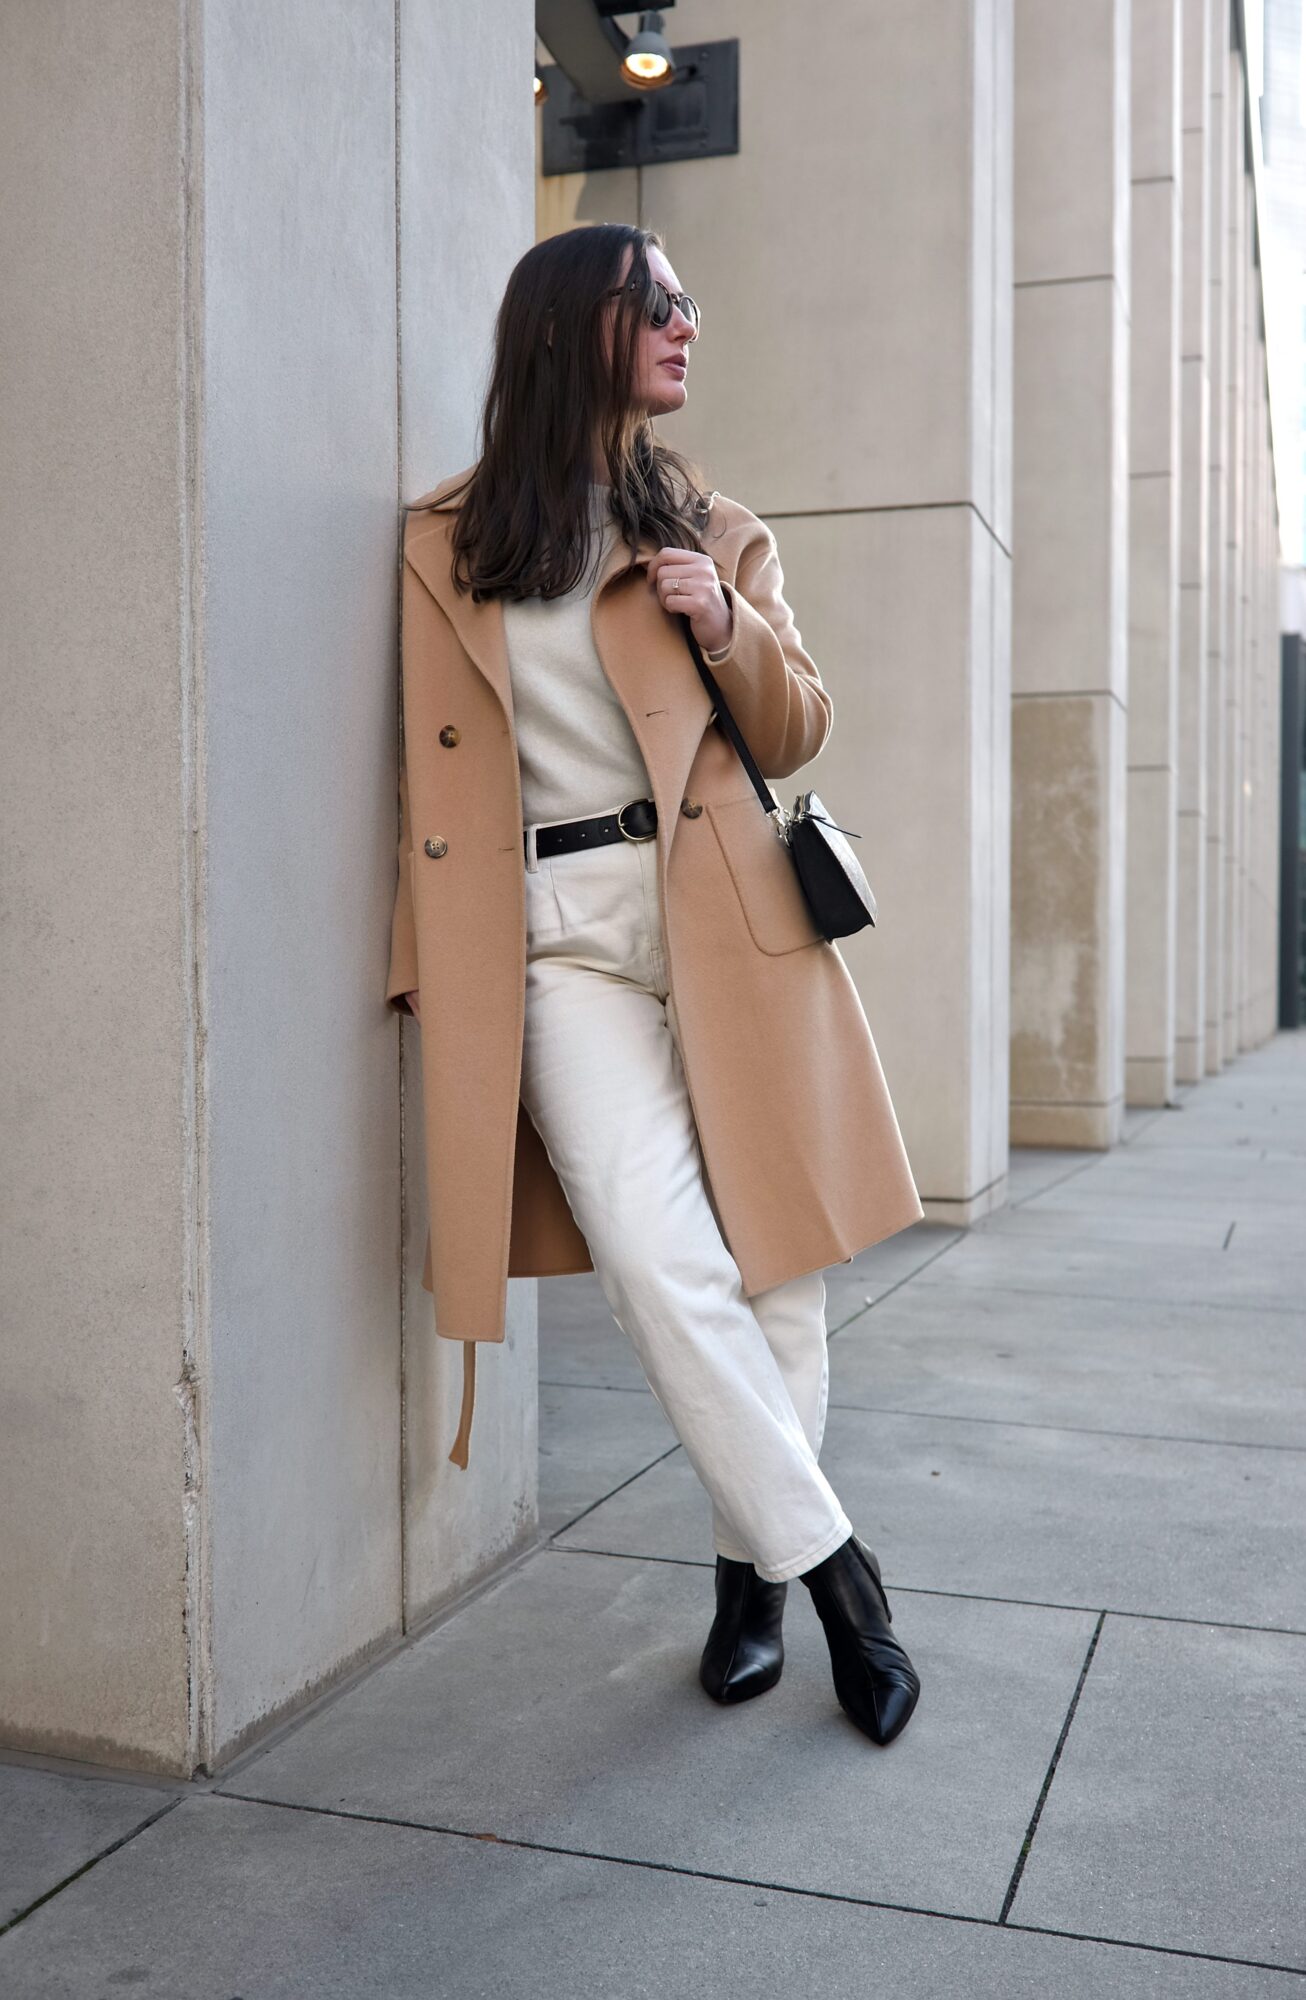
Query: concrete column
[(1217, 801), (291, 327), (1251, 686), (1267, 663), (1070, 599), (1156, 285), (466, 161), (1258, 786), (205, 1439), (1273, 723), (1190, 1000), (1234, 379), (1268, 670), (867, 420), (1266, 678), (1273, 731), (1241, 677), (1246, 565)]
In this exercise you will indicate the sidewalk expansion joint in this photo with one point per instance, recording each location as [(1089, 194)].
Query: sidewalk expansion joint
[(754, 1882), (1028, 1841)]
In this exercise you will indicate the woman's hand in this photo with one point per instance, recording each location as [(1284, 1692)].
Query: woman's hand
[(686, 580), (414, 1002)]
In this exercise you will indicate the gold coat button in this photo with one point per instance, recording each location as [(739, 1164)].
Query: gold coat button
[(690, 808), (436, 846), (449, 735)]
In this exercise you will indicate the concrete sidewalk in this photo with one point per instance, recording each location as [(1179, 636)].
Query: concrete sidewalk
[(1076, 1437)]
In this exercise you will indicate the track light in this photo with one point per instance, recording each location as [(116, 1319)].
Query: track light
[(648, 63)]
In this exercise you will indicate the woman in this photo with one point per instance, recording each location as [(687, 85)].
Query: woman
[(639, 1055)]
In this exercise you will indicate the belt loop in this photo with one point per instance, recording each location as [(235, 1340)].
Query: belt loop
[(532, 852)]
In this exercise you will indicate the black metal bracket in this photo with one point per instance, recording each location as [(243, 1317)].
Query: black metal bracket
[(692, 118)]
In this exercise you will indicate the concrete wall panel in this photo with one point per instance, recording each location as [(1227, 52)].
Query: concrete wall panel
[(1071, 490), (1067, 921), (99, 1559)]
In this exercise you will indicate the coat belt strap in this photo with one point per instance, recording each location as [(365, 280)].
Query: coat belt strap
[(460, 1443)]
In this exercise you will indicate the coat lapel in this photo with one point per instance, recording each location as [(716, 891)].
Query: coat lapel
[(479, 627), (641, 648)]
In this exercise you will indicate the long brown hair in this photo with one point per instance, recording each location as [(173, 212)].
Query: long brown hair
[(526, 524)]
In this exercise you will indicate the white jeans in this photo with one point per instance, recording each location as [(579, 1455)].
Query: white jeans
[(743, 1382)]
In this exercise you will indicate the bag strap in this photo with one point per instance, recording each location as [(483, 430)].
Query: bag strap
[(760, 785), (727, 720)]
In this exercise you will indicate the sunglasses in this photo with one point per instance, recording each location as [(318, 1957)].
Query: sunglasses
[(660, 302)]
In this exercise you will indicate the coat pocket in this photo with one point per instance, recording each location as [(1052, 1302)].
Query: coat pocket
[(764, 876)]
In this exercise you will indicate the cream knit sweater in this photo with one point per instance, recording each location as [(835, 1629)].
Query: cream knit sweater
[(575, 747)]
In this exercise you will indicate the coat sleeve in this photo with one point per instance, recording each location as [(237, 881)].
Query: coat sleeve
[(784, 710), (402, 976)]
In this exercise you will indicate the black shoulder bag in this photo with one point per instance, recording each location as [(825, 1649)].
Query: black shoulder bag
[(829, 874)]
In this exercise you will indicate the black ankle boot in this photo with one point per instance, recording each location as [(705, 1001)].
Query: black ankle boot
[(744, 1651), (876, 1683)]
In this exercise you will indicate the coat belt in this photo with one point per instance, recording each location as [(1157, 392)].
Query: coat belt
[(460, 1443)]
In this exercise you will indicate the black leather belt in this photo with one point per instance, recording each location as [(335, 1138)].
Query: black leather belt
[(636, 820)]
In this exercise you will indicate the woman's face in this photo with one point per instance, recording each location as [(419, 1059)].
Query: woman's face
[(662, 353)]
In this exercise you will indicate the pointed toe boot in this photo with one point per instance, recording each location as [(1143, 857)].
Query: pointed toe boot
[(876, 1684), (745, 1650)]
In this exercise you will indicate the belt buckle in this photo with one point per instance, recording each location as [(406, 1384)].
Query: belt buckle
[(633, 836)]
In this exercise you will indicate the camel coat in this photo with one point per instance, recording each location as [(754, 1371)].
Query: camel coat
[(801, 1146)]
